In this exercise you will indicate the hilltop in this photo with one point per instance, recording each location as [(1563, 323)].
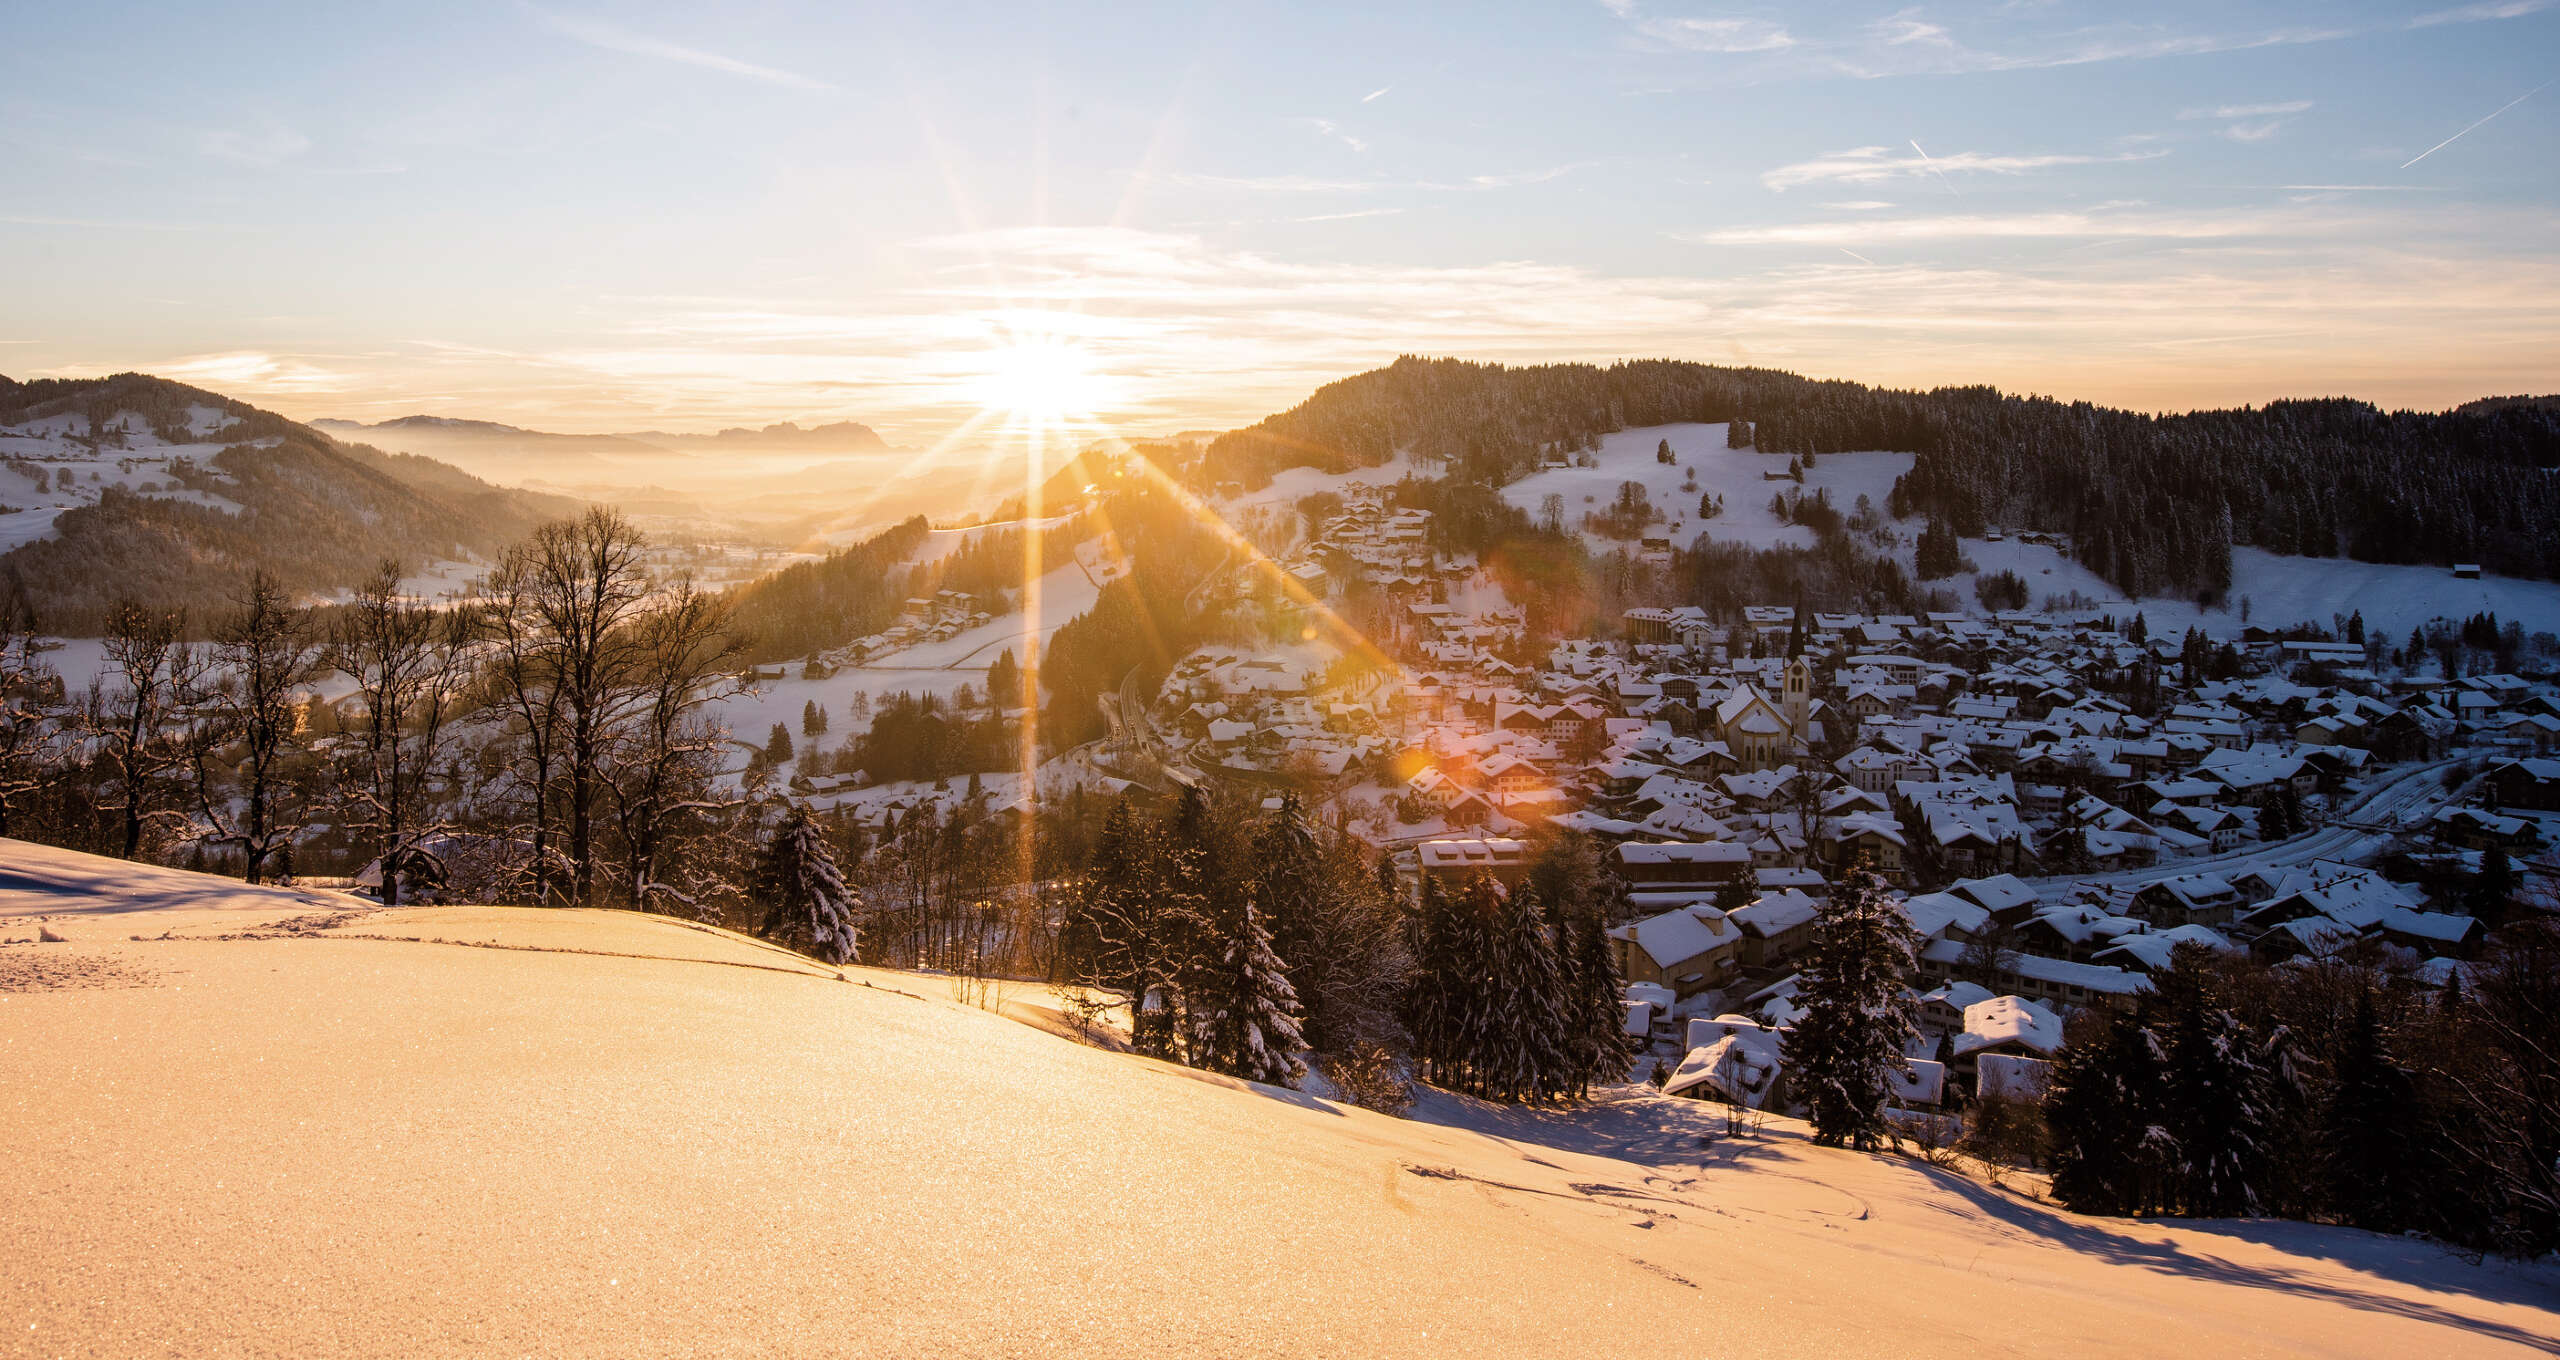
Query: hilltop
[(2152, 504), (269, 1120), (135, 485)]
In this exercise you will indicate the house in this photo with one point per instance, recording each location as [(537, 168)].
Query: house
[(2012, 1076), (2047, 979), (2479, 829), (1687, 949), (2199, 899), (2532, 784), (1681, 864), (1776, 927), (1744, 1064), (1923, 1086), (1454, 861), (1946, 916), (2004, 1024), (1942, 1011)]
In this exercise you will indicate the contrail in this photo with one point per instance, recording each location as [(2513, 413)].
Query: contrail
[(1859, 258), (2502, 108), (1941, 174)]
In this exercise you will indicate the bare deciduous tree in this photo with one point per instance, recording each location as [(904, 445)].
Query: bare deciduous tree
[(408, 660), (130, 711), (31, 737), (670, 749), (250, 732)]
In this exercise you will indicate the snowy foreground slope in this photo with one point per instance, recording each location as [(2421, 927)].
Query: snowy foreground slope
[(266, 1127)]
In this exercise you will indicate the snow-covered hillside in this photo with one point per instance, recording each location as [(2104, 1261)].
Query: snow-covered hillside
[(240, 1121), (2276, 589), (1735, 474), (938, 666), (52, 463)]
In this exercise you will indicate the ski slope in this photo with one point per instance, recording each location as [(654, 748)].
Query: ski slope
[(241, 1123)]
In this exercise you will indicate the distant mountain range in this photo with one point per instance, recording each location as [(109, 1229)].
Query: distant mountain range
[(841, 437), (781, 483)]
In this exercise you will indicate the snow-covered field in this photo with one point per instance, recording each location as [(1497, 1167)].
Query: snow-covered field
[(941, 543), (2278, 589), (1291, 485), (1735, 474), (570, 1133), (939, 667), (77, 464)]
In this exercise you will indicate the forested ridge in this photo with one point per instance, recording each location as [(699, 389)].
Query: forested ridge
[(316, 514), (2153, 503)]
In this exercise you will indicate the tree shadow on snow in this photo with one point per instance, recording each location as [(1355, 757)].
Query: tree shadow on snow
[(2423, 1264)]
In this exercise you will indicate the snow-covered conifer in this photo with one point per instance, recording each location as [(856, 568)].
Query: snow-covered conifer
[(1857, 1017), (806, 902), (1245, 1013)]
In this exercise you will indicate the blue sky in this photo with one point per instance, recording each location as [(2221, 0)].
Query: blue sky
[(680, 216)]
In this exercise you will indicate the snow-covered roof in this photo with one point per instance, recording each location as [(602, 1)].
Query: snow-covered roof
[(1677, 936), (1743, 1065), (2009, 1020)]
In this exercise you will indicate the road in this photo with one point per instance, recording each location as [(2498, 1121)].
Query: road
[(2406, 799)]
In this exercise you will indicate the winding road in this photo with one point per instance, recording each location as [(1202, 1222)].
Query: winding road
[(2360, 828)]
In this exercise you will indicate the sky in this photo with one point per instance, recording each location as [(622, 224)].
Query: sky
[(1181, 216)]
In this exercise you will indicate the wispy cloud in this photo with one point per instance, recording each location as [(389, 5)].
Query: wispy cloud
[(2473, 14), (1907, 28), (1514, 178), (2021, 37), (2248, 110), (1982, 226), (1717, 35), (613, 37), (258, 371), (264, 149), (1876, 164), (2249, 122), (1212, 336), (1373, 96), (1332, 129), (1272, 184)]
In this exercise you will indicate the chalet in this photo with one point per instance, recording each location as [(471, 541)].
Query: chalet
[(1676, 864), (1688, 949), (2480, 829), (2532, 784), (1454, 861), (1941, 1012), (1775, 927), (2187, 900), (1743, 1065)]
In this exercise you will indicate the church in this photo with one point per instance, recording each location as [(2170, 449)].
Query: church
[(1763, 733)]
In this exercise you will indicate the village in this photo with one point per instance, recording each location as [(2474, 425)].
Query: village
[(2059, 800)]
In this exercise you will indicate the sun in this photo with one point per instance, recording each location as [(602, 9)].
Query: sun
[(1039, 378)]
